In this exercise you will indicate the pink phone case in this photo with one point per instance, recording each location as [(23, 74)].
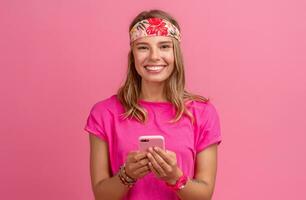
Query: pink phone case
[(147, 141)]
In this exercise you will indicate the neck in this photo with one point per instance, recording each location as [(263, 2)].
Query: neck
[(152, 92)]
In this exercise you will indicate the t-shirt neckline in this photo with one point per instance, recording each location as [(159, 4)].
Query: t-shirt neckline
[(154, 102)]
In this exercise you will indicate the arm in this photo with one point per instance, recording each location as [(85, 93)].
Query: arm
[(203, 185), (163, 164), (103, 185)]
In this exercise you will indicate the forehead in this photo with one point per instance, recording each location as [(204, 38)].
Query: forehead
[(151, 40)]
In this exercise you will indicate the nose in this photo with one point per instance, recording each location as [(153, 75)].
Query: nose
[(154, 54)]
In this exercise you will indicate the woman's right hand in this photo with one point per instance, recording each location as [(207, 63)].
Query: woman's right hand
[(136, 164)]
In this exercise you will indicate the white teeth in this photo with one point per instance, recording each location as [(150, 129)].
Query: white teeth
[(154, 68)]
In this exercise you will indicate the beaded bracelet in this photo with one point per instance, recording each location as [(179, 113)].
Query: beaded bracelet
[(125, 179)]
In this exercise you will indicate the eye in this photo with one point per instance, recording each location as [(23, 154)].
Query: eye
[(166, 46), (142, 47)]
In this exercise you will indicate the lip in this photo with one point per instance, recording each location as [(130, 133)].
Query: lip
[(154, 65), (155, 71)]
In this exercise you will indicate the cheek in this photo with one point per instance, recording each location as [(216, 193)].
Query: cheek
[(169, 57), (139, 62), (139, 58)]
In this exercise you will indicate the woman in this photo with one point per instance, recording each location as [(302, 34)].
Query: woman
[(153, 101)]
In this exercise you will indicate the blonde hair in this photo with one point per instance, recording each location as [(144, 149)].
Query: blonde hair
[(175, 92)]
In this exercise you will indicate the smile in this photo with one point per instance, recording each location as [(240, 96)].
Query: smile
[(155, 68)]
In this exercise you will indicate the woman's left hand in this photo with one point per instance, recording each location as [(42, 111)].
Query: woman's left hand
[(164, 165)]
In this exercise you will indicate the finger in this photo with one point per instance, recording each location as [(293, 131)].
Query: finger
[(143, 162), (143, 174), (133, 153), (162, 163), (131, 156), (132, 166), (136, 174), (165, 156), (142, 170), (136, 156), (153, 169), (140, 156), (156, 166)]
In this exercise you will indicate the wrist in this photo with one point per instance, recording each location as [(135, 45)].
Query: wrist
[(180, 183), (173, 180), (124, 178)]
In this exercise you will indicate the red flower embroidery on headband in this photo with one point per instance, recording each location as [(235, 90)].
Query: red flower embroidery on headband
[(157, 26)]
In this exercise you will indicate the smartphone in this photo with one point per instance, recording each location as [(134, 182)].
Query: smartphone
[(147, 141)]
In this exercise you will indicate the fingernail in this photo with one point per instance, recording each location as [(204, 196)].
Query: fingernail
[(156, 148)]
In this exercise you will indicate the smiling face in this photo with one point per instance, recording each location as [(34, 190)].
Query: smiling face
[(154, 58)]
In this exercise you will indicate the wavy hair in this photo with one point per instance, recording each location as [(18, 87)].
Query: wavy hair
[(129, 93)]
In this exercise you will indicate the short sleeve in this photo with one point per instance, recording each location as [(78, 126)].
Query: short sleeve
[(96, 122), (209, 128)]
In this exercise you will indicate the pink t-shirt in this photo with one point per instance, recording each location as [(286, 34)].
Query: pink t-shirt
[(184, 138)]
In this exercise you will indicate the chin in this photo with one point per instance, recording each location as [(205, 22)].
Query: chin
[(152, 80)]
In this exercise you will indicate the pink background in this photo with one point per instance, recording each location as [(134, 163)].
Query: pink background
[(60, 57)]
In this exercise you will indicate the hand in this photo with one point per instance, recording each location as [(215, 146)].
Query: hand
[(136, 165), (164, 165)]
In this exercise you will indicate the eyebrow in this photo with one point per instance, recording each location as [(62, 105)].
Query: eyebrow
[(163, 42)]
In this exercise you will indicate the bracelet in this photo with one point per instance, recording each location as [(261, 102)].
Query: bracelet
[(125, 179), (180, 183)]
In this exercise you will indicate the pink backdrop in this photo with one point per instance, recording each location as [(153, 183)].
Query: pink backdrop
[(58, 58)]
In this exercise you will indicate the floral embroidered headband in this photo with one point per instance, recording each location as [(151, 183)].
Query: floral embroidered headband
[(154, 27)]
